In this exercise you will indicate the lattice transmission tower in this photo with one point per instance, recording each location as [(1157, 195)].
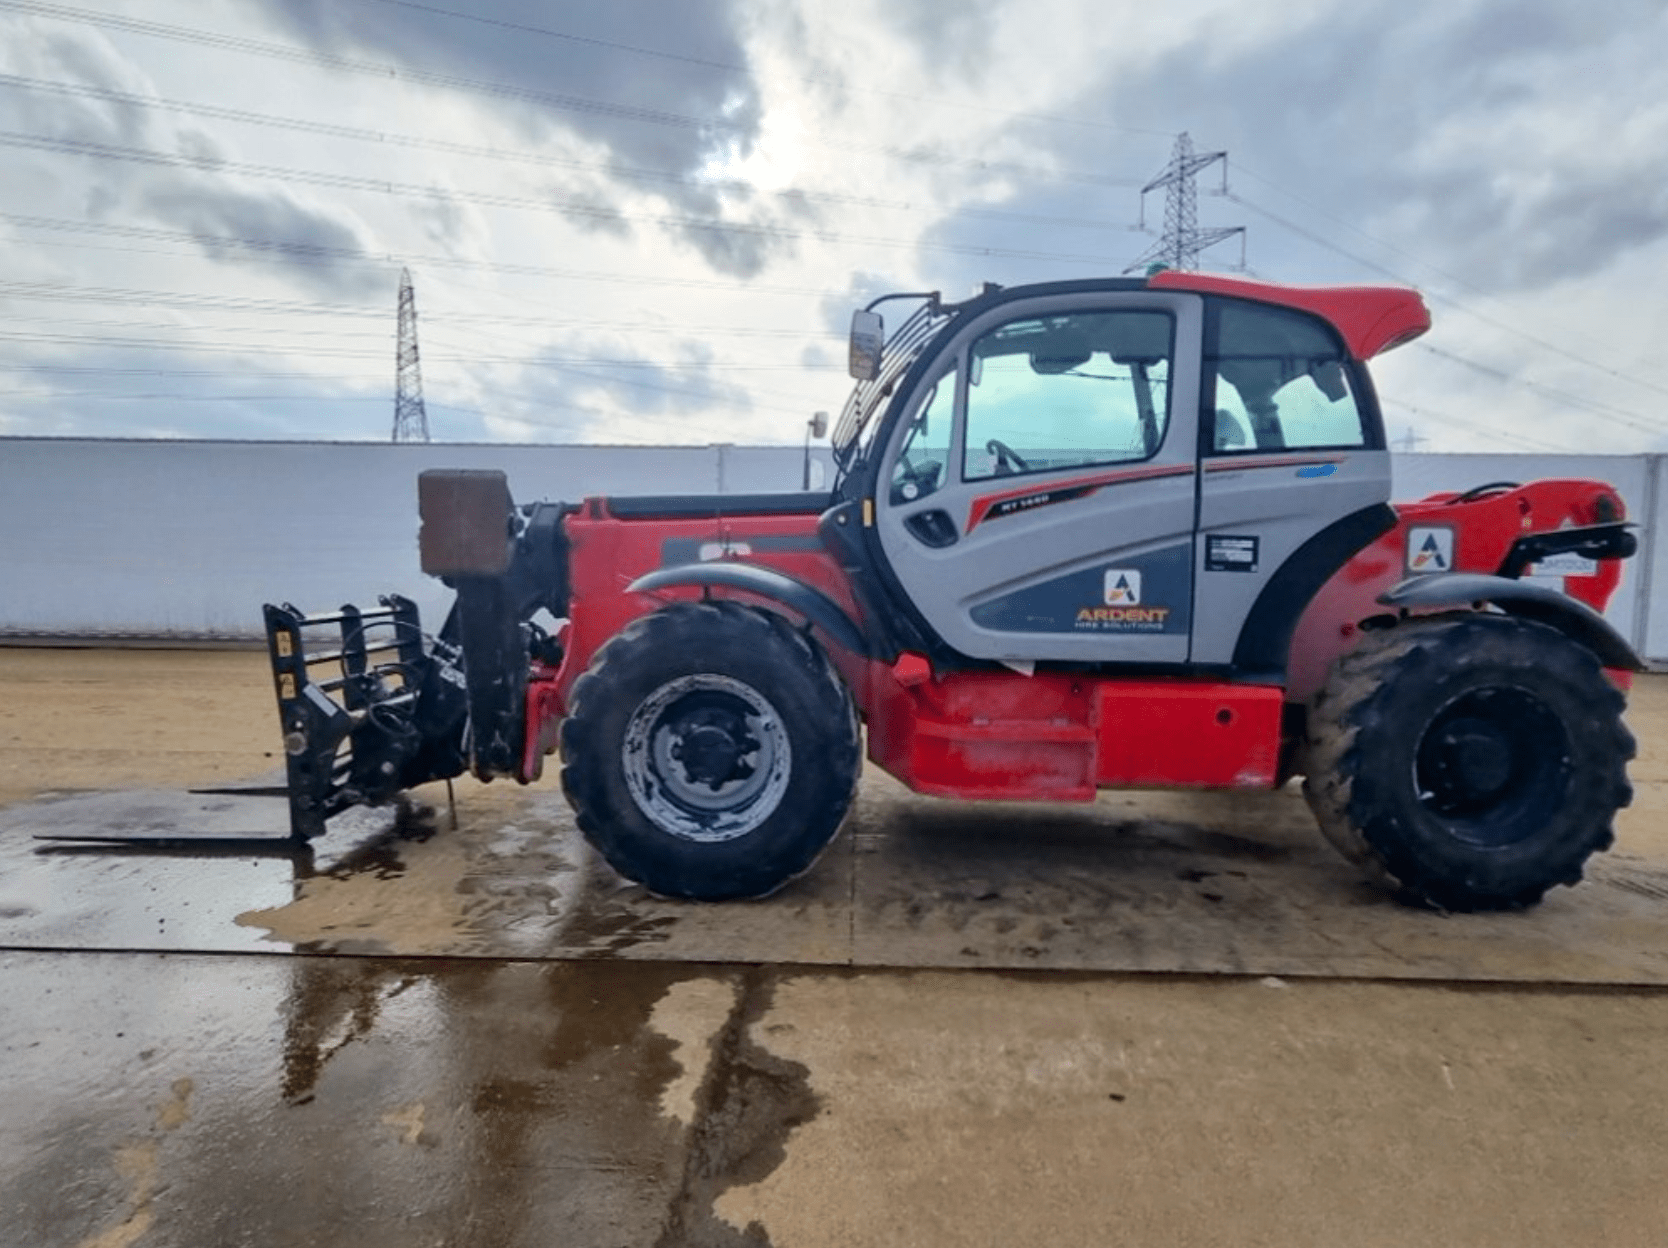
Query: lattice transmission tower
[(411, 421), (1183, 240)]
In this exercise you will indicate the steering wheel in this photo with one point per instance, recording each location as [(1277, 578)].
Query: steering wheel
[(1008, 460)]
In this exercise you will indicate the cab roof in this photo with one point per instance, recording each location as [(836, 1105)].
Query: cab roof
[(1370, 319)]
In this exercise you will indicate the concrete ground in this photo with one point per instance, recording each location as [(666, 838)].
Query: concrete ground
[(965, 1026)]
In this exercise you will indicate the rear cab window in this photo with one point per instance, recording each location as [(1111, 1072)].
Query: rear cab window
[(1277, 379)]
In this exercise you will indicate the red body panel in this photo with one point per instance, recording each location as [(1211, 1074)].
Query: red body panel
[(607, 553), (984, 734), (1186, 734), (993, 734), (998, 734), (1371, 319), (1484, 530), (1049, 736)]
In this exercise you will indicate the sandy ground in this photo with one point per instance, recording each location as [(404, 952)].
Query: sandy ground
[(187, 1100), (112, 719)]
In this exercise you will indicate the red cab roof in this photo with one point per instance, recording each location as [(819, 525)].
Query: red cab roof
[(1371, 319)]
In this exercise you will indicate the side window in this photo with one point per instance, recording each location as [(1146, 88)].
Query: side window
[(926, 447), (1065, 391), (1281, 383)]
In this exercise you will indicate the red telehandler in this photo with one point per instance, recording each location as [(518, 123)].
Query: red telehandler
[(1082, 535)]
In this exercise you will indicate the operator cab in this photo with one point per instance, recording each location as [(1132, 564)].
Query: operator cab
[(1141, 472)]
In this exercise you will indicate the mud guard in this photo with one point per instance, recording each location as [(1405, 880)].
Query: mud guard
[(806, 600), (1576, 620)]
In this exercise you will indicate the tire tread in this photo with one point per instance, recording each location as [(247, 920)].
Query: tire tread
[(1348, 796), (678, 637)]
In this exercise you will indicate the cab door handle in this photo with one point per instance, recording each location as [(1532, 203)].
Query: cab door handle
[(933, 528)]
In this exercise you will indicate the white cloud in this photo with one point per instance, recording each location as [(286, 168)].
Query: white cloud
[(718, 182)]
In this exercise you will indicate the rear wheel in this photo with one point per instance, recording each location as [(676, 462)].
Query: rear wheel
[(1472, 761), (710, 751)]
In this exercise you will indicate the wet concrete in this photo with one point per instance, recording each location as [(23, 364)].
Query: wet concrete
[(184, 1101), (1179, 883), (266, 1101), (1172, 882), (976, 1108), (481, 1037)]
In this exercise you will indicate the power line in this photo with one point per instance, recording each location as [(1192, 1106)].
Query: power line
[(106, 296), (565, 103), (99, 370), (1619, 415), (730, 67), (568, 207), (386, 71), (311, 251), (1633, 420), (442, 321), (66, 325), (1321, 241), (292, 252), (386, 138), (112, 342), (1480, 430), (129, 396), (1625, 417)]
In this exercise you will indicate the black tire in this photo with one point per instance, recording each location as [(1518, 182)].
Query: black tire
[(1470, 761), (710, 751)]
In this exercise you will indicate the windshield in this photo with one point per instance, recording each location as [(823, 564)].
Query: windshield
[(868, 397)]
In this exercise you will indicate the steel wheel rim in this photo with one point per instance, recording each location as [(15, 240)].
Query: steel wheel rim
[(1492, 764), (706, 758)]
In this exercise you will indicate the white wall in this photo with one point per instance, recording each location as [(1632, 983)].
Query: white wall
[(1650, 571), (188, 539)]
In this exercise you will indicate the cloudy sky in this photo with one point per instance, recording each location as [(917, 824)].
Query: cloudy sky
[(648, 220)]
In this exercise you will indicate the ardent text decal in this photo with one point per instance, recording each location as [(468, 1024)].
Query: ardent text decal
[(1140, 595), (1122, 609), (1123, 619)]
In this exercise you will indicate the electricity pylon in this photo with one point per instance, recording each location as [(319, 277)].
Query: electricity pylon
[(411, 421), (1183, 240)]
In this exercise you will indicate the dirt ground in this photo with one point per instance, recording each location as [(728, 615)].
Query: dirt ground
[(192, 1100), (113, 719)]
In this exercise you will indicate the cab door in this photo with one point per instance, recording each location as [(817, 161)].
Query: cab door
[(1037, 498), (1295, 478)]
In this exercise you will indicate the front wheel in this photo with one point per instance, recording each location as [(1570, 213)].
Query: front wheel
[(710, 751), (1475, 761)]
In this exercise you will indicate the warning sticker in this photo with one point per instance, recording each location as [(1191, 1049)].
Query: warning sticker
[(1567, 563), (1430, 548), (1230, 554), (1123, 587)]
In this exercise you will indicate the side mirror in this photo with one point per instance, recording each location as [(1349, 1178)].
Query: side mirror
[(819, 424), (868, 340)]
